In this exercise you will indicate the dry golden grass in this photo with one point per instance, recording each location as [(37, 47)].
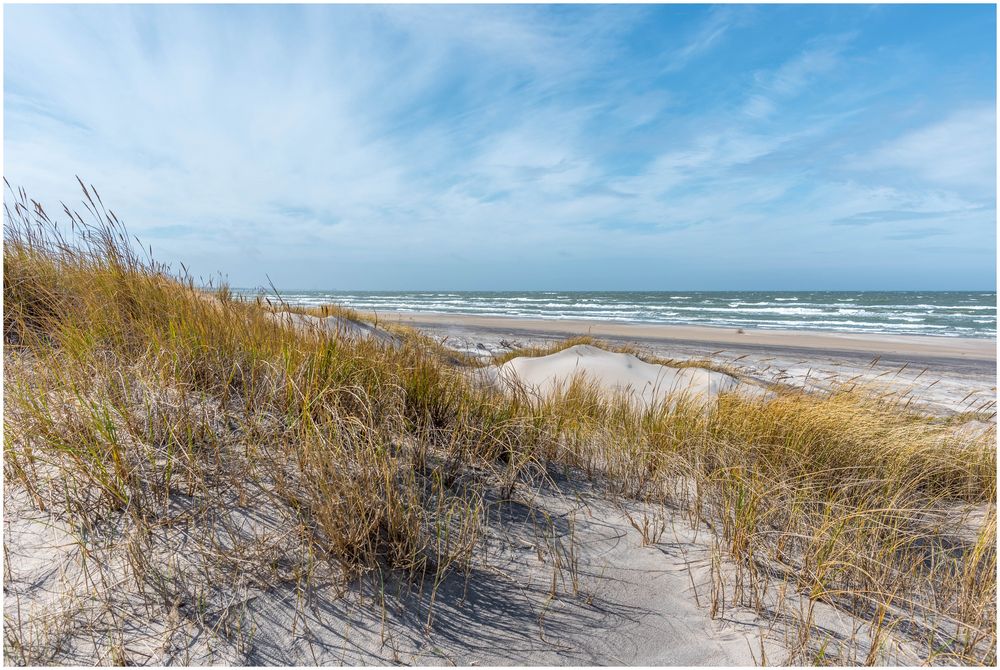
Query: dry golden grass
[(128, 392)]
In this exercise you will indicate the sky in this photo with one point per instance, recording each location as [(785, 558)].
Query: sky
[(521, 147)]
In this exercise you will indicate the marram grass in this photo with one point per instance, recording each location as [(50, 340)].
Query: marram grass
[(127, 389)]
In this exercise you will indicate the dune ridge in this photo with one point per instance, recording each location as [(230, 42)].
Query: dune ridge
[(614, 373)]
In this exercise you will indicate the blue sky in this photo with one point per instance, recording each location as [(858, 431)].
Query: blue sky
[(522, 147)]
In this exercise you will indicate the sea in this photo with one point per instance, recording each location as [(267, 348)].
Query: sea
[(943, 314)]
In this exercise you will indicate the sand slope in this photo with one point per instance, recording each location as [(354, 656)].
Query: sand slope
[(612, 372), (335, 325), (564, 578), (568, 581)]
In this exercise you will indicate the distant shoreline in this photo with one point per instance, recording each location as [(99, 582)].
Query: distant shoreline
[(922, 346), (939, 314)]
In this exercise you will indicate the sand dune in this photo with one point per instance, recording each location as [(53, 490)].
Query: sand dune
[(631, 604), (939, 375), (337, 325), (613, 372)]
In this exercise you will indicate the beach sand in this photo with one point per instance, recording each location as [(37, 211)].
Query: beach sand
[(895, 347), (942, 375), (569, 581), (613, 373)]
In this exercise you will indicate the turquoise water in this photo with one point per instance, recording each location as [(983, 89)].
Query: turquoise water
[(946, 314)]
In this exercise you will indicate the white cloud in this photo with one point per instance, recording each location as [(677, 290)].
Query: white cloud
[(793, 76), (957, 152), (392, 137), (708, 36)]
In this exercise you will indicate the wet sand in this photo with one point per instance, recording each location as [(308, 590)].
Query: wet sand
[(904, 346)]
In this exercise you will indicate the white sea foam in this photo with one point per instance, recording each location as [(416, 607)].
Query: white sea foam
[(963, 314)]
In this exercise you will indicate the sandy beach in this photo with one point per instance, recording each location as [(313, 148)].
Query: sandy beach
[(944, 375), (906, 348)]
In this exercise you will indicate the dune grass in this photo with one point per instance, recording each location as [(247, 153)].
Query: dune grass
[(132, 400)]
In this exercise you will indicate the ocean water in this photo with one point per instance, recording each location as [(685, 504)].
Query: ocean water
[(945, 314)]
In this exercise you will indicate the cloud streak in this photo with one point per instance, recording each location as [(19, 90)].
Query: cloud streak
[(506, 146)]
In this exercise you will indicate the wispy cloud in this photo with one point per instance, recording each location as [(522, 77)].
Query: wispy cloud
[(431, 147), (709, 34), (886, 216), (918, 234), (958, 151), (788, 80)]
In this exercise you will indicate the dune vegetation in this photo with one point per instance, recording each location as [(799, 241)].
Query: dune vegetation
[(137, 403)]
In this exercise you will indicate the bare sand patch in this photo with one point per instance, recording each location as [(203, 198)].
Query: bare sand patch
[(612, 373)]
